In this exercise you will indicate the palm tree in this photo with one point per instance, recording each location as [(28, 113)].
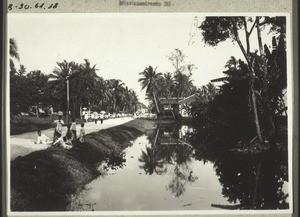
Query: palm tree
[(184, 85), (117, 88), (59, 77), (168, 84), (134, 101), (13, 49), (13, 52), (207, 92), (62, 70), (150, 82), (232, 63), (89, 78)]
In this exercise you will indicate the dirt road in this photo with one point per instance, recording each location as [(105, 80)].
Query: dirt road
[(23, 144)]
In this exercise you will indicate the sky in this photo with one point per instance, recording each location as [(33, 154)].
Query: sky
[(121, 45)]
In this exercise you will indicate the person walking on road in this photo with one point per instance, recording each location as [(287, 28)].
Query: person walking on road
[(86, 117), (96, 116)]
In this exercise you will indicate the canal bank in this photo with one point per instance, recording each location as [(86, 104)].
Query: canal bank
[(45, 180)]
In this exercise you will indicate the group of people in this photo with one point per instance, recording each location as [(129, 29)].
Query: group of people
[(59, 139), (94, 116)]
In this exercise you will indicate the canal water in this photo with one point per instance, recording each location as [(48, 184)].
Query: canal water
[(169, 171)]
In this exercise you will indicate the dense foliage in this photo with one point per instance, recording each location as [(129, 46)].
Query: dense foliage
[(35, 92), (251, 98)]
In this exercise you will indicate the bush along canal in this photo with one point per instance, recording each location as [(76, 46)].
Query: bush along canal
[(147, 165)]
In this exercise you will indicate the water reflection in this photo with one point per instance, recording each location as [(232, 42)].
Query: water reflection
[(248, 181), (169, 146), (255, 182), (176, 167)]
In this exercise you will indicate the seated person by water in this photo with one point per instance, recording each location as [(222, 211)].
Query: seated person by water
[(69, 133), (42, 139), (62, 141)]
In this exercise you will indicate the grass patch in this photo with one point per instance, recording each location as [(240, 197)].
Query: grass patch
[(44, 180), (20, 125), (23, 124)]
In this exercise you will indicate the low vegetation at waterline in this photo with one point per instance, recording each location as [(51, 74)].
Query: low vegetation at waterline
[(46, 179)]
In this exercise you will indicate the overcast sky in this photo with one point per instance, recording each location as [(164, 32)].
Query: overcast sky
[(121, 45)]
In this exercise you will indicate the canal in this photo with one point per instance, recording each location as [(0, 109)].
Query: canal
[(173, 170)]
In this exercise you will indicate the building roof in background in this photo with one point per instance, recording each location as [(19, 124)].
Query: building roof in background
[(171, 100), (189, 99)]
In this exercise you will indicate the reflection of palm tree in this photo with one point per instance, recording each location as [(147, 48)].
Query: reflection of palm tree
[(152, 161), (180, 179), (177, 186)]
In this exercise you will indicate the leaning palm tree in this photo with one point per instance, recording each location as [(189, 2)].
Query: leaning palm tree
[(150, 82)]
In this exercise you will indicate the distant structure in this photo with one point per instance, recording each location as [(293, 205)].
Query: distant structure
[(173, 106)]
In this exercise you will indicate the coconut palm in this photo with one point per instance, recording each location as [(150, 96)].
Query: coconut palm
[(232, 63), (184, 85), (59, 77), (150, 82), (134, 101), (117, 88), (168, 85), (207, 92), (13, 49), (89, 79)]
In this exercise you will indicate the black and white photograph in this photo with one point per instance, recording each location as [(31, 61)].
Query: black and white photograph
[(144, 113)]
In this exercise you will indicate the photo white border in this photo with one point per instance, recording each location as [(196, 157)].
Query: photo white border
[(290, 97)]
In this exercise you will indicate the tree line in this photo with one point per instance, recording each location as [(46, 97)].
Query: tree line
[(36, 89), (177, 83)]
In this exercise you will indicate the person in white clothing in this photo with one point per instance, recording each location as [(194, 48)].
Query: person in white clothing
[(82, 133), (63, 142), (42, 139), (58, 128)]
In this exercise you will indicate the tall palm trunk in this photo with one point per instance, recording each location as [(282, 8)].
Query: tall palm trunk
[(252, 79), (36, 110), (157, 109), (266, 107), (80, 110), (74, 109)]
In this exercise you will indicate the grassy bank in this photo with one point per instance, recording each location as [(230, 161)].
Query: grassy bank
[(45, 180)]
